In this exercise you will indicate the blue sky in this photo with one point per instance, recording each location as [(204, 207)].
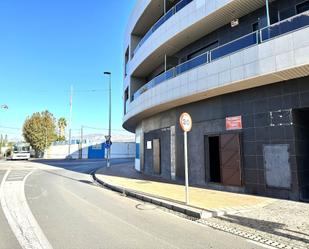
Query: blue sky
[(46, 46)]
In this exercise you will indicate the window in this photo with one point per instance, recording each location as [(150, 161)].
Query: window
[(203, 50), (126, 59), (286, 13), (255, 26), (302, 7), (126, 98)]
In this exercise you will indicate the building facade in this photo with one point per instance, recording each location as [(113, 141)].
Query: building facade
[(241, 69)]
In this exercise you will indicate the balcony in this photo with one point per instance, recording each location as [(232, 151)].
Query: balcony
[(162, 20), (261, 36)]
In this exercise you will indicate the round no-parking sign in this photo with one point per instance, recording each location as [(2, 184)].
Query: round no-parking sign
[(185, 121)]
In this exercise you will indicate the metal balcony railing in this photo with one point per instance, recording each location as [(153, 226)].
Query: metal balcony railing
[(252, 39), (162, 20)]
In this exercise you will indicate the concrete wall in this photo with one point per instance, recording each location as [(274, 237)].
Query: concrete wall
[(122, 150), (2, 151), (62, 151), (118, 150)]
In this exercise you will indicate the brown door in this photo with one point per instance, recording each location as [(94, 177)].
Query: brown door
[(230, 160), (156, 157)]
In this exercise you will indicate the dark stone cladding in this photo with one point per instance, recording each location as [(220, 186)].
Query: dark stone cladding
[(255, 106), (165, 152)]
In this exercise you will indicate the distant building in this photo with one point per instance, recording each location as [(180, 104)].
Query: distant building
[(243, 77)]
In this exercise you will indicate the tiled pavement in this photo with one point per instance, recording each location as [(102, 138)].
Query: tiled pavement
[(281, 221), (125, 176), (284, 221)]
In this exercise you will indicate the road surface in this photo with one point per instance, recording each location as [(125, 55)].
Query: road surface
[(54, 204)]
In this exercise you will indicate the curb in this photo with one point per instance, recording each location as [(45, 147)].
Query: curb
[(190, 211)]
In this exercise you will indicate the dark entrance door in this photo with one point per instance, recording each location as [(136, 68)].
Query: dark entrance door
[(301, 129), (214, 158), (156, 157), (230, 159)]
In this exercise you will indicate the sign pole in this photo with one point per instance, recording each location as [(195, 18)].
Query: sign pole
[(186, 166), (185, 122)]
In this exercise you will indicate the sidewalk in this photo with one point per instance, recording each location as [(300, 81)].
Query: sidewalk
[(270, 220), (127, 177)]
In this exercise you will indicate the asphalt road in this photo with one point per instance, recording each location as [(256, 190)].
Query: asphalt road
[(54, 204)]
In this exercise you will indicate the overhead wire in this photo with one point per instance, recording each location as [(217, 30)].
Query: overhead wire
[(10, 128), (67, 91), (103, 129)]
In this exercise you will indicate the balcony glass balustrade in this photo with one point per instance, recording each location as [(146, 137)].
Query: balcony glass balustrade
[(275, 30), (162, 20), (231, 47), (285, 26)]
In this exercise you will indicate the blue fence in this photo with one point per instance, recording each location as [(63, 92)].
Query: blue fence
[(96, 151)]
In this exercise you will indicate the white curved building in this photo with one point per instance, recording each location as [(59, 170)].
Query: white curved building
[(240, 68)]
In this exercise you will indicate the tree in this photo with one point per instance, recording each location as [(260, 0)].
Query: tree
[(62, 124), (40, 130)]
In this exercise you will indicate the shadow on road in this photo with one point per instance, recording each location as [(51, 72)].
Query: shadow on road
[(274, 228), (82, 166)]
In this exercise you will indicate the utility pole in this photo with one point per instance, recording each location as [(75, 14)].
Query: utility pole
[(45, 142), (70, 125), (108, 140)]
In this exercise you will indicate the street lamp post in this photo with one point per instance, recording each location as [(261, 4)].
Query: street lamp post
[(45, 154), (110, 118), (70, 124), (4, 107)]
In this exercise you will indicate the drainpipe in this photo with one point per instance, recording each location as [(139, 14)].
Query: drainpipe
[(164, 4), (267, 13)]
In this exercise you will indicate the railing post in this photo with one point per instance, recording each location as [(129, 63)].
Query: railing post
[(260, 34)]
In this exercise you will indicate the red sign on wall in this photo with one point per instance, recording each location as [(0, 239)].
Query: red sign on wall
[(233, 123)]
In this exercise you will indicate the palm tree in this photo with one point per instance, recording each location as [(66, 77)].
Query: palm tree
[(62, 124)]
